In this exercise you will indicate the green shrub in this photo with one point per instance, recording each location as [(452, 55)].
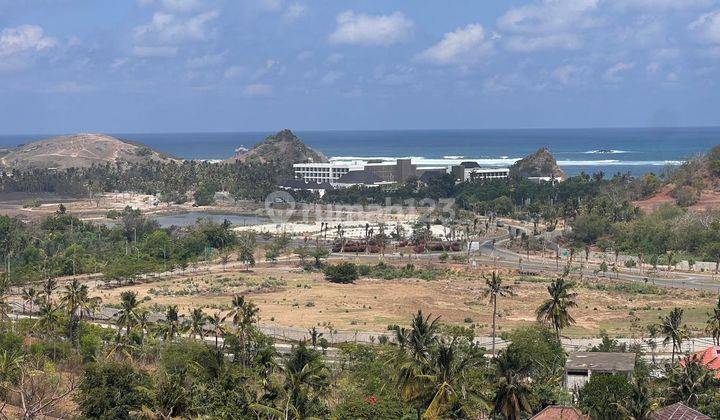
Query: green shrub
[(342, 273)]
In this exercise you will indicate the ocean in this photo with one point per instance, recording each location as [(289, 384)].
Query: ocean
[(634, 150)]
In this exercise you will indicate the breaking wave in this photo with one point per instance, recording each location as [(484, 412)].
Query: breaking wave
[(495, 162)]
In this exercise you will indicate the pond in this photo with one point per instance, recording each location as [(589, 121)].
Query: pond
[(189, 219)]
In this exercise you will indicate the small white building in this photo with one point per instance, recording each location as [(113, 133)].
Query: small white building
[(580, 366)]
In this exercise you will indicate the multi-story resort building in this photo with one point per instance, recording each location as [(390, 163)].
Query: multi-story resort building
[(377, 172)]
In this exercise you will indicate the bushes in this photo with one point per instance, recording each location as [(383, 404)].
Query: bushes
[(601, 395), (342, 273)]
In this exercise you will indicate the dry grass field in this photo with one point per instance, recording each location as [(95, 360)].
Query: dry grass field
[(289, 296)]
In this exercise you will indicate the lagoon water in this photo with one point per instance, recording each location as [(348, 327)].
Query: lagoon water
[(635, 150)]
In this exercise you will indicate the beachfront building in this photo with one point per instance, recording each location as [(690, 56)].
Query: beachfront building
[(323, 172), (471, 171), (385, 172)]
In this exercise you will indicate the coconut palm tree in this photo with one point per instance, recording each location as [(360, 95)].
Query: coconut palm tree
[(129, 312), (494, 289), (243, 315), (640, 403), (74, 297), (673, 330), (713, 323), (48, 288), (513, 392), (48, 318), (197, 323), (555, 310), (688, 381), (29, 296), (447, 378), (172, 327), (217, 325), (5, 307)]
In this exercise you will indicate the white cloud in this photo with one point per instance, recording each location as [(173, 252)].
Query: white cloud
[(155, 52), (71, 87), (24, 39), (614, 73), (460, 46), (331, 77), (654, 6), (234, 72), (271, 5), (653, 67), (363, 29), (294, 12), (175, 5), (169, 28), (207, 60), (523, 43), (548, 24), (570, 74), (707, 27), (258, 90)]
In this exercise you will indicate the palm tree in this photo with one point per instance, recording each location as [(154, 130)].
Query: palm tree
[(554, 311), (513, 392), (494, 289), (48, 288), (412, 358), (48, 317), (5, 307), (197, 323), (447, 375), (713, 323), (172, 326), (29, 296), (652, 331), (640, 403), (688, 381), (243, 316), (217, 326), (128, 313), (673, 330), (75, 297)]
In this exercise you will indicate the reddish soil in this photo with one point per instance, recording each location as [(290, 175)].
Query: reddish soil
[(709, 199)]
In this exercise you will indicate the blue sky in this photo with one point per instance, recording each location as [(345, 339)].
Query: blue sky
[(244, 65)]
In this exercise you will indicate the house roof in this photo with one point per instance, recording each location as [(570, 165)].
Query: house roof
[(710, 358), (678, 411), (359, 177), (557, 412), (602, 362), (470, 164)]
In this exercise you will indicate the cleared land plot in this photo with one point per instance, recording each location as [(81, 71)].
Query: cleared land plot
[(289, 296)]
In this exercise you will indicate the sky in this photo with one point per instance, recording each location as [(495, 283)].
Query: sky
[(246, 65)]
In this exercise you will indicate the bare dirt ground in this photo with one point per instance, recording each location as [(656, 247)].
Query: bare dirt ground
[(290, 297), (709, 199)]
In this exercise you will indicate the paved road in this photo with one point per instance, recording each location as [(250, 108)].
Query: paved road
[(496, 253)]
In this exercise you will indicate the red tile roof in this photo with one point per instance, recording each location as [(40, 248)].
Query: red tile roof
[(710, 358), (678, 411), (560, 413)]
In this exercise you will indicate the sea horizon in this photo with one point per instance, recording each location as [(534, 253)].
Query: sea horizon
[(637, 150)]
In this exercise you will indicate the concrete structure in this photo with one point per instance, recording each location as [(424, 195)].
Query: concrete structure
[(471, 171), (322, 172), (580, 366), (400, 171), (299, 185)]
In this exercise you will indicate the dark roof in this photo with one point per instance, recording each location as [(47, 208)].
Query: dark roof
[(678, 411), (299, 184), (467, 165), (557, 412), (602, 362), (359, 177)]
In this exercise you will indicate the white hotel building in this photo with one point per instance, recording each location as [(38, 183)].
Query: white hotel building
[(322, 172)]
